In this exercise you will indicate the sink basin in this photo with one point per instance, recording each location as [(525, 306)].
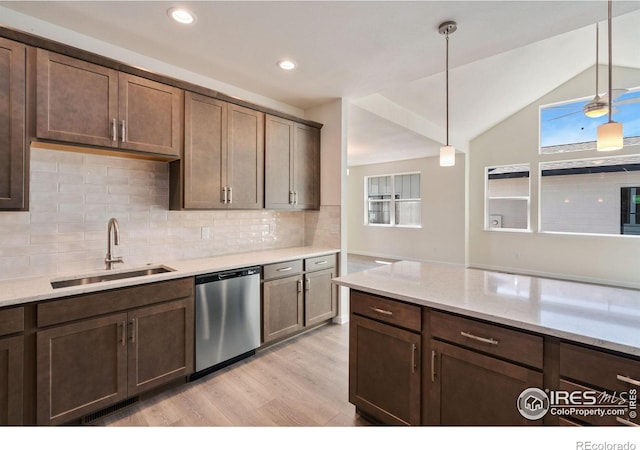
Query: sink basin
[(106, 276)]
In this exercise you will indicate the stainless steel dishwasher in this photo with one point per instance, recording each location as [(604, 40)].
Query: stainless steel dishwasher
[(227, 318)]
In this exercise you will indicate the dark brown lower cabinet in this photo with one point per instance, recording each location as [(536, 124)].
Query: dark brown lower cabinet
[(81, 367), (88, 365), (282, 308), (321, 297), (384, 371), (468, 388), (11, 380)]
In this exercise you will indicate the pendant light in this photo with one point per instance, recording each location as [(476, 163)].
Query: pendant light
[(610, 133), (447, 152)]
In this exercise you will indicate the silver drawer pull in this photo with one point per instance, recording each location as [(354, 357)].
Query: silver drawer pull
[(285, 269), (382, 311), (319, 263), (478, 338), (628, 380), (626, 422)]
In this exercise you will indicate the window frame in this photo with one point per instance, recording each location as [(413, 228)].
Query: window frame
[(392, 201)]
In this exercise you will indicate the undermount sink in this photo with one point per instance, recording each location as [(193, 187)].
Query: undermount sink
[(98, 278)]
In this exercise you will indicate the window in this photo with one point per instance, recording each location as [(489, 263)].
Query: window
[(565, 128), (591, 196), (393, 200), (507, 198)]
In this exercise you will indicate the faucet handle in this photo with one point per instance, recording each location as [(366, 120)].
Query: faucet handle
[(109, 262)]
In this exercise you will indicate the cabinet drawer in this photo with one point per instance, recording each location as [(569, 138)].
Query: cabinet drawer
[(386, 310), (319, 263), (599, 369), (11, 320), (517, 346), (283, 269)]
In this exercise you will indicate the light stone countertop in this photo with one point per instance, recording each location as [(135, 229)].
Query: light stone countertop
[(27, 290), (602, 316)]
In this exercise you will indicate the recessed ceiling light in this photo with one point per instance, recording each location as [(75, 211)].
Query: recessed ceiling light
[(181, 15), (286, 64)]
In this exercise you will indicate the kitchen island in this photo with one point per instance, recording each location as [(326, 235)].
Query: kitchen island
[(459, 345)]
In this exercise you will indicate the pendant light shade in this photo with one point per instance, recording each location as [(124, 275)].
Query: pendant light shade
[(447, 152), (447, 156), (610, 136)]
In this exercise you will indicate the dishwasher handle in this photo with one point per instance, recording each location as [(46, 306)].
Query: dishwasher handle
[(219, 276)]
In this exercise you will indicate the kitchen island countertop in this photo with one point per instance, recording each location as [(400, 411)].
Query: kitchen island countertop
[(602, 316)]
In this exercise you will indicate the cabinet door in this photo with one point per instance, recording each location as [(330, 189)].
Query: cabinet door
[(76, 101), (13, 148), (150, 116), (306, 167), (204, 152), (283, 308), (11, 380), (245, 164), (384, 371), (467, 388), (81, 368), (321, 297), (160, 344), (278, 163)]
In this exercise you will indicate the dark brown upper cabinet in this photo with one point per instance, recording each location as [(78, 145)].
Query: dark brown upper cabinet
[(223, 163), (13, 148), (292, 167), (84, 103)]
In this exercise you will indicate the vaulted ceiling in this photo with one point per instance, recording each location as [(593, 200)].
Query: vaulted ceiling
[(386, 57)]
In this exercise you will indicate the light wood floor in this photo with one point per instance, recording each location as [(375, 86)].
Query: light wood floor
[(300, 382)]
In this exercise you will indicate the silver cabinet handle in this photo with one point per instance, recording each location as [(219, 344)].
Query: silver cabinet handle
[(413, 358), (123, 129), (299, 286), (319, 263), (382, 311), (295, 198), (114, 130), (123, 336), (308, 284), (291, 197), (626, 422), (230, 195), (285, 269), (479, 339), (224, 193), (433, 366), (628, 380)]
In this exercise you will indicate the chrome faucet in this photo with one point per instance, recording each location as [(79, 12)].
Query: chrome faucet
[(110, 260)]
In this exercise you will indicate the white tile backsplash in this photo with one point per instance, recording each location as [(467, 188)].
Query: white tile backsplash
[(74, 194)]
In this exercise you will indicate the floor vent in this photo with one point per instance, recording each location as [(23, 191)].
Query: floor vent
[(109, 410)]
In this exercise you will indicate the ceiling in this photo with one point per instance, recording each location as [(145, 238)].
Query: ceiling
[(386, 57)]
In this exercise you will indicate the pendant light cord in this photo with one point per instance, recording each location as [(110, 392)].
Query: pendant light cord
[(597, 46), (446, 35), (610, 62)]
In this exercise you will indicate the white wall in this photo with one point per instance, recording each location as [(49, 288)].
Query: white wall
[(603, 259), (442, 236), (328, 227)]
